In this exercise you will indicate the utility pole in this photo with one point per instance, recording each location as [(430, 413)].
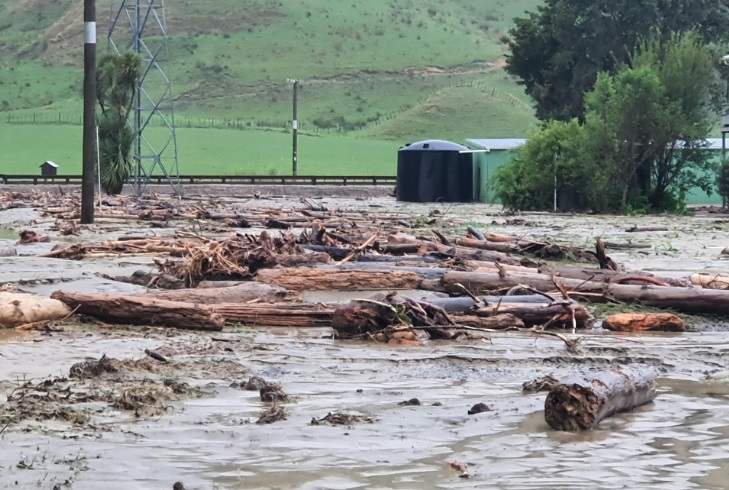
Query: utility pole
[(89, 134), (295, 127)]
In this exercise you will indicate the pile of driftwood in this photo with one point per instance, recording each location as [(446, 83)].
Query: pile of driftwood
[(486, 282)]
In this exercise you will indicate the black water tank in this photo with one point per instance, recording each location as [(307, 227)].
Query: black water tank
[(435, 171)]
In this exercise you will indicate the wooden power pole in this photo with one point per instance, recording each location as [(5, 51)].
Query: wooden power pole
[(295, 127), (89, 135)]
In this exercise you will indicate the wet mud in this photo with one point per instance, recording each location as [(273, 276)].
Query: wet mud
[(86, 406)]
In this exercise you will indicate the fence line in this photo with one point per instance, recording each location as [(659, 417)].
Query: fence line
[(305, 127), (377, 180)]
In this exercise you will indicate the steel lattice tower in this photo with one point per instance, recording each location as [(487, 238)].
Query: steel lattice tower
[(139, 26)]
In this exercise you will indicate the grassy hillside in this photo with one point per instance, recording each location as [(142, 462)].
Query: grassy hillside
[(397, 70)]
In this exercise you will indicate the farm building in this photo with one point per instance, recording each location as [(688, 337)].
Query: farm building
[(498, 151)]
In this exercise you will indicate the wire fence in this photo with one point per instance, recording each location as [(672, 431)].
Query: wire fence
[(317, 126)]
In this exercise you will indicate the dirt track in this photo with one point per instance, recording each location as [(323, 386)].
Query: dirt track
[(207, 436)]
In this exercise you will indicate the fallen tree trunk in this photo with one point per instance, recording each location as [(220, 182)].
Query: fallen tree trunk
[(342, 280), (341, 253), (687, 300), (240, 292), (556, 316), (422, 272), (497, 322), (464, 304), (399, 245), (600, 275), (150, 280), (140, 310), (277, 315), (643, 322), (22, 309), (578, 403), (710, 280)]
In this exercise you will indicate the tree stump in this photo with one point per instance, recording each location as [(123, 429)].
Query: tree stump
[(580, 403)]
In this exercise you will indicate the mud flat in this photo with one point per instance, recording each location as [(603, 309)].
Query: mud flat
[(146, 423)]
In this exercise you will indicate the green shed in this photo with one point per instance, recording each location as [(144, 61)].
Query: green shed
[(495, 153)]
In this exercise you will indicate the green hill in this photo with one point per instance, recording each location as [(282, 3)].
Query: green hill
[(397, 70)]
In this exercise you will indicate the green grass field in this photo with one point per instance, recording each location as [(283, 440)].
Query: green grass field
[(391, 70), (209, 152)]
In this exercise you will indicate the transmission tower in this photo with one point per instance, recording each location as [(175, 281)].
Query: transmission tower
[(139, 26)]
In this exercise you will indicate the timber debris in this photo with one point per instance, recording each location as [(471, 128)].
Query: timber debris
[(217, 263), (580, 403)]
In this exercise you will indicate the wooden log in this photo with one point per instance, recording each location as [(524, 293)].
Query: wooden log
[(422, 272), (277, 315), (298, 260), (686, 300), (340, 253), (580, 403), (340, 280), (398, 245), (477, 265), (150, 280), (240, 292), (23, 309), (361, 318), (464, 304), (557, 316), (473, 232), (709, 280), (638, 229), (492, 246), (140, 310), (642, 322), (495, 322), (602, 275), (500, 237)]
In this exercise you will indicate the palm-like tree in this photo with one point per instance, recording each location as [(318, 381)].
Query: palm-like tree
[(116, 90)]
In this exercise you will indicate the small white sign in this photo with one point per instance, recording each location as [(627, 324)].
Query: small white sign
[(90, 32)]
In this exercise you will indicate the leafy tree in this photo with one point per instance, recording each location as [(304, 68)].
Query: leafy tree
[(549, 155), (687, 68), (623, 112), (558, 51), (116, 90), (653, 115)]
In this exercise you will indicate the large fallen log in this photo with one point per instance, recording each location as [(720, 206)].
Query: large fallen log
[(140, 310), (277, 315), (342, 280), (607, 275), (466, 304), (399, 245), (567, 315), (22, 309), (580, 403), (686, 300), (150, 280), (497, 322), (241, 292)]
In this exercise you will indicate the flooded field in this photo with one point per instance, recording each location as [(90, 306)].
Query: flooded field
[(190, 420)]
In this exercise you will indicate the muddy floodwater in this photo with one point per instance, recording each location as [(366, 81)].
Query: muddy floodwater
[(200, 427)]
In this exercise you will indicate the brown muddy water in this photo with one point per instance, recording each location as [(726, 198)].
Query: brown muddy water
[(680, 441)]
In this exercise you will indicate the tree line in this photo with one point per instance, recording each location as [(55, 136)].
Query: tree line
[(627, 94)]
